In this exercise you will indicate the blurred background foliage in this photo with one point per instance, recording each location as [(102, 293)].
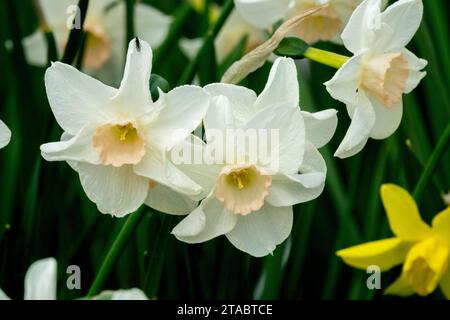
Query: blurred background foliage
[(44, 211)]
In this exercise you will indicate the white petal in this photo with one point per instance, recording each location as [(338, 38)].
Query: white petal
[(241, 100), (308, 184), (130, 294), (219, 117), (134, 96), (359, 32), (200, 168), (3, 295), (5, 135), (55, 12), (208, 221), (166, 200), (35, 47), (98, 8), (404, 18), (289, 125), (75, 98), (282, 85), (415, 74), (387, 120), (151, 24), (320, 126), (190, 47), (182, 110), (263, 13), (77, 148), (155, 166), (260, 232), (344, 84), (344, 9), (40, 280), (363, 120), (116, 191)]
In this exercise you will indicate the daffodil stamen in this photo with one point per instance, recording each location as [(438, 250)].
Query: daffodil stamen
[(115, 139), (242, 189), (239, 178), (125, 130)]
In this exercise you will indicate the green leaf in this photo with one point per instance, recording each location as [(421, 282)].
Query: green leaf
[(292, 47), (156, 81)]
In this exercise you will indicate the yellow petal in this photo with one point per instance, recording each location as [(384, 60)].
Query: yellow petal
[(402, 212), (385, 254), (445, 284), (400, 288), (441, 224)]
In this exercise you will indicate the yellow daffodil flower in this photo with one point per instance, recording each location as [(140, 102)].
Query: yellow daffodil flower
[(423, 250)]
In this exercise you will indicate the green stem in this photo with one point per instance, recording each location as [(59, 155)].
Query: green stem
[(189, 73), (158, 252), (327, 58), (115, 252), (130, 21), (432, 163), (76, 35)]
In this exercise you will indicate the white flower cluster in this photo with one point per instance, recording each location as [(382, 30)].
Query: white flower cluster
[(120, 141)]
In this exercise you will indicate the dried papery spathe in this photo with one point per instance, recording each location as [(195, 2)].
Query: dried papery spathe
[(255, 59)]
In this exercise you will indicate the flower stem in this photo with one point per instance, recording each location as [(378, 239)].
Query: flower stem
[(189, 73), (327, 58), (157, 256), (432, 163), (130, 21), (115, 252), (76, 35)]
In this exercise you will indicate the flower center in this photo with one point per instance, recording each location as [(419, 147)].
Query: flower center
[(98, 47), (242, 189), (118, 144), (324, 25), (152, 184), (240, 178), (385, 77), (425, 264)]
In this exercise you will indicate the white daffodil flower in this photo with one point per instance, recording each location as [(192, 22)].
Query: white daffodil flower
[(372, 82), (129, 294), (41, 280), (249, 201), (105, 30), (325, 25), (117, 139), (234, 29), (5, 135)]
